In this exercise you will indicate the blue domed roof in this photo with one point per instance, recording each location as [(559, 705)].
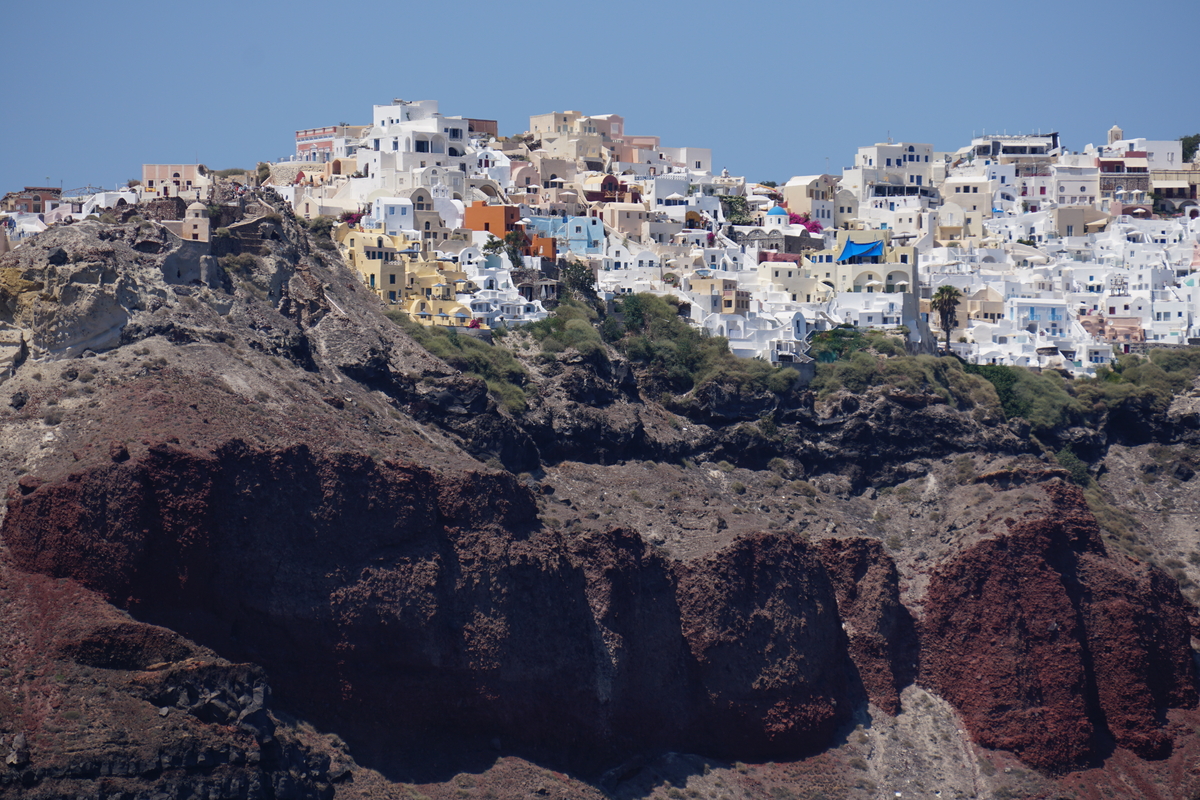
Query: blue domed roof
[(777, 211)]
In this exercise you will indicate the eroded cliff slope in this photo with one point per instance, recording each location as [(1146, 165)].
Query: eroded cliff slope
[(240, 501)]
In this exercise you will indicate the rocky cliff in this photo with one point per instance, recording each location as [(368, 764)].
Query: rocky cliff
[(242, 503)]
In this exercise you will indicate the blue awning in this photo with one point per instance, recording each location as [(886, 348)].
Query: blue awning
[(865, 249)]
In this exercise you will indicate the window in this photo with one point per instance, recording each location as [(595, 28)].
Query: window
[(392, 278)]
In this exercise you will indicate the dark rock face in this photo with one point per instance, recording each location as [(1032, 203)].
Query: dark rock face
[(387, 600), (133, 710), (761, 621), (412, 597), (441, 608), (1047, 645), (882, 640)]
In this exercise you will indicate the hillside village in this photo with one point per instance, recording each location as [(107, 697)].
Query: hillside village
[(1062, 259)]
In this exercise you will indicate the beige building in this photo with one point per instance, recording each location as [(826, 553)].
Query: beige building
[(195, 226), (173, 180), (864, 261), (812, 195), (722, 294), (794, 279), (629, 219), (985, 305)]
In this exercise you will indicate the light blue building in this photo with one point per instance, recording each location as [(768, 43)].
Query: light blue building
[(580, 235)]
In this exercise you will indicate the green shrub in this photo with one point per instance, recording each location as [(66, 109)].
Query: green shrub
[(503, 374), (653, 334), (1067, 459), (945, 377), (570, 326), (321, 226), (804, 488), (845, 340), (240, 264)]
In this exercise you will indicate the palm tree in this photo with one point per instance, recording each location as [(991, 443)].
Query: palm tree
[(945, 302)]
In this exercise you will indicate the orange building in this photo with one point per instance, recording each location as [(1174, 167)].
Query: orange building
[(544, 246), (497, 220)]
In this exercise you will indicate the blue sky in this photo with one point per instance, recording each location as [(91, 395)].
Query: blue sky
[(774, 88)]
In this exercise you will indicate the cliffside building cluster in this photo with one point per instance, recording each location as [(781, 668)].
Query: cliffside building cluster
[(1063, 258)]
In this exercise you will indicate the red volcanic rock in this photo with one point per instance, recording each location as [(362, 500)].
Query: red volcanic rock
[(1139, 644), (398, 603), (643, 673), (1044, 642), (878, 626), (760, 619)]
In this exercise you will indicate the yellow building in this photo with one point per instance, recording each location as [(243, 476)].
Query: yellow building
[(402, 273), (430, 293), (380, 259)]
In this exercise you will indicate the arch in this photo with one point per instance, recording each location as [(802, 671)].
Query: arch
[(867, 281)]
